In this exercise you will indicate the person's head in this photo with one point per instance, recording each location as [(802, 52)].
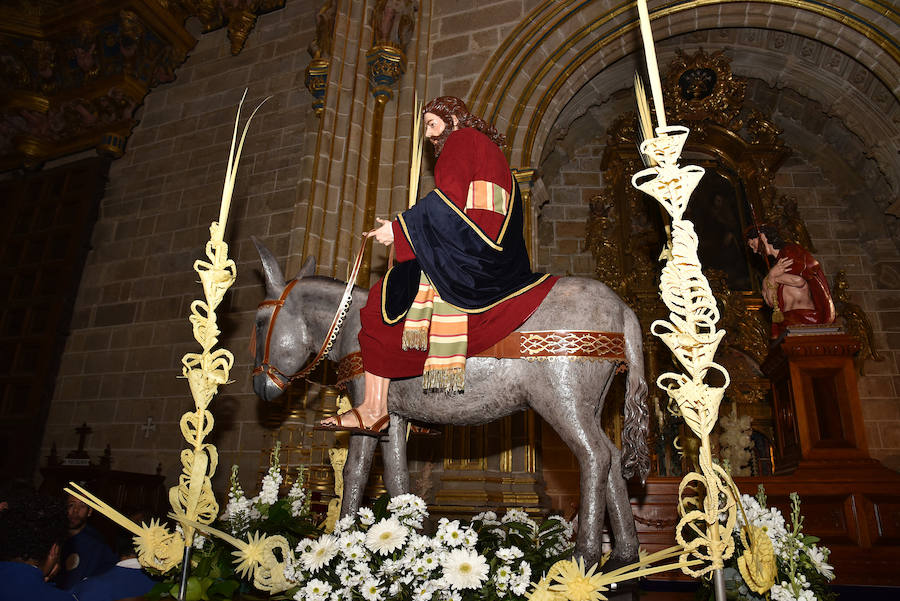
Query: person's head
[(446, 114), (764, 239), (32, 530), (77, 513)]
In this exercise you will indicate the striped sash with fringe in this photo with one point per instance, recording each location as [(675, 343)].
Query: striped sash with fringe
[(436, 326)]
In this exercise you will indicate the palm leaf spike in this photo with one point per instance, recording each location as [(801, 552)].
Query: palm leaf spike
[(233, 160), (645, 128), (415, 162), (156, 546)]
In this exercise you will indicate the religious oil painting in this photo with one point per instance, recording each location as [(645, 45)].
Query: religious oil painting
[(720, 213)]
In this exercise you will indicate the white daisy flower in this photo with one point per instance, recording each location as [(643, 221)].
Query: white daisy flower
[(355, 553), (464, 569), (370, 590), (470, 537), (386, 536), (344, 524), (366, 516), (315, 590), (320, 553), (509, 553), (449, 533), (488, 518), (819, 559)]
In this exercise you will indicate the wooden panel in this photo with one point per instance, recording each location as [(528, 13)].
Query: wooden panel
[(886, 522), (46, 229)]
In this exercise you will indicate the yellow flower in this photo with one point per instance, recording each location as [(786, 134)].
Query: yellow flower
[(250, 555), (577, 585), (757, 563), (542, 591)]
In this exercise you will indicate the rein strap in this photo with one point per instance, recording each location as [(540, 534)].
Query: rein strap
[(279, 378)]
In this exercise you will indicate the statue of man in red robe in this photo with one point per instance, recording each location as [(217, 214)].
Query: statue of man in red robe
[(795, 287), (462, 280)]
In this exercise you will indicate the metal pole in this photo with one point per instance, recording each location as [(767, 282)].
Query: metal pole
[(719, 584), (186, 571)]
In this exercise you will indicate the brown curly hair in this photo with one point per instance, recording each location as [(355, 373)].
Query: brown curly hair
[(446, 107)]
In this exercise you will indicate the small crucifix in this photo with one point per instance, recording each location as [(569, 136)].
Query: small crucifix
[(82, 432), (149, 427)]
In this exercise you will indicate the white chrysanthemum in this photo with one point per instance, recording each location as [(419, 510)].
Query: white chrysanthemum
[(470, 537), (509, 553), (488, 518), (370, 590), (464, 569), (315, 590), (320, 553), (424, 591), (344, 524), (394, 589), (386, 536), (366, 516), (389, 567), (502, 575), (819, 559), (407, 503), (355, 553), (515, 515), (409, 510), (418, 543), (521, 580), (449, 533), (429, 561)]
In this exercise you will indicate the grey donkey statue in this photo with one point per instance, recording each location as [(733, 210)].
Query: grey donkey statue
[(567, 394)]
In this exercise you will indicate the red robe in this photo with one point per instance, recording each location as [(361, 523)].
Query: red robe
[(467, 156), (807, 267)]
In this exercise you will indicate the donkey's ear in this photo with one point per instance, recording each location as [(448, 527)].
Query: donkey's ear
[(271, 270), (308, 269)]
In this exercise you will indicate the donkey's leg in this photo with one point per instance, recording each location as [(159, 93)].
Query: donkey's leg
[(570, 406), (356, 471), (618, 506), (360, 452), (393, 453)]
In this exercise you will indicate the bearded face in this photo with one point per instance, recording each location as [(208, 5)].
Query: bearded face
[(439, 141), (437, 130)]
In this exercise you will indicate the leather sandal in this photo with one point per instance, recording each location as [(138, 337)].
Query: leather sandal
[(376, 429)]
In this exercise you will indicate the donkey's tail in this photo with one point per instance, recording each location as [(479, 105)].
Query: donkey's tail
[(636, 455)]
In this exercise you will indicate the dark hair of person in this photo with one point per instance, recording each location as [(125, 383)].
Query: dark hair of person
[(446, 107), (770, 231), (30, 526)]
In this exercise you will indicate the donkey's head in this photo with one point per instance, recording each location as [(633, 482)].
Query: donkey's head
[(281, 336)]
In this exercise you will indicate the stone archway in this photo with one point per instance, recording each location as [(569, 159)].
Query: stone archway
[(560, 47)]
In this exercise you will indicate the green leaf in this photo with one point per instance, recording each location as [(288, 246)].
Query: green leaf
[(160, 590), (222, 589)]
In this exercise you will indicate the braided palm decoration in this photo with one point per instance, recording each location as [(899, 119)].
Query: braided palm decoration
[(691, 335), (192, 500)]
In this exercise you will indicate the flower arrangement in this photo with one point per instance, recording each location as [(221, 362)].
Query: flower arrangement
[(800, 570), (380, 553), (213, 576)]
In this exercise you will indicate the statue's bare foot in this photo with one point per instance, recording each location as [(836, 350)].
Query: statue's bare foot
[(352, 421)]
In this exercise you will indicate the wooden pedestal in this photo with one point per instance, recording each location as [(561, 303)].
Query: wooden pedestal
[(818, 420)]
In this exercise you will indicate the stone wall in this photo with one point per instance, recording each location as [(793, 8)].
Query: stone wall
[(130, 326)]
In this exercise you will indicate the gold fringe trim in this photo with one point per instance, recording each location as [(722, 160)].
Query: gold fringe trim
[(445, 380), (415, 339)]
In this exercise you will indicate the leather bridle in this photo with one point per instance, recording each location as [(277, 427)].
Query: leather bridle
[(278, 377)]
